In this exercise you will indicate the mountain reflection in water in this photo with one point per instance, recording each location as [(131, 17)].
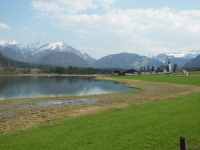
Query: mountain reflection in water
[(34, 86)]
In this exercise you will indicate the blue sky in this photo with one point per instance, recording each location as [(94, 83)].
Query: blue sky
[(103, 27)]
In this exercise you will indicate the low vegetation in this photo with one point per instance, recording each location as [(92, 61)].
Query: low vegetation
[(184, 80), (155, 125), (153, 118), (189, 73)]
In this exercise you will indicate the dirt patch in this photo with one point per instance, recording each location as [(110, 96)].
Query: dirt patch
[(20, 118)]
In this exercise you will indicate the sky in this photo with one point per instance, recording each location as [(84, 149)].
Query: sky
[(103, 27)]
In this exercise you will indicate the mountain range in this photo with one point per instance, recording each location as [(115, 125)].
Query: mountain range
[(178, 58), (6, 62), (193, 63), (62, 59), (39, 49), (127, 61), (60, 54), (10, 53)]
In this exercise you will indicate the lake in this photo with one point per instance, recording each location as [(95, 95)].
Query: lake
[(34, 86)]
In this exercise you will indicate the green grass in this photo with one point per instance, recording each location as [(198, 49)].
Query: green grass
[(154, 125), (177, 73), (186, 80), (190, 73)]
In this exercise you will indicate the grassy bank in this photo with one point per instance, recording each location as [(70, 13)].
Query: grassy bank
[(190, 73), (184, 80), (154, 125)]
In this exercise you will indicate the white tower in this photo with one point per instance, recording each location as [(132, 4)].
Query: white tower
[(169, 65)]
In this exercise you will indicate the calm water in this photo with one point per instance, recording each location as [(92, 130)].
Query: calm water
[(31, 87)]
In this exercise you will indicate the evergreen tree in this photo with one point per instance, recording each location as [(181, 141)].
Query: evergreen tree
[(144, 67), (175, 67), (152, 69), (141, 68), (148, 68), (158, 68)]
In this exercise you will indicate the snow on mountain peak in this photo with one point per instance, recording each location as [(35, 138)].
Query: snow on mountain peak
[(5, 43), (13, 42), (2, 42), (191, 54), (58, 43), (82, 52), (55, 45)]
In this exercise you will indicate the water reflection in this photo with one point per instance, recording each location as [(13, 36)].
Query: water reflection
[(30, 87)]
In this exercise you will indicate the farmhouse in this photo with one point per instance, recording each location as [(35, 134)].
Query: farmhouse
[(145, 72), (159, 71), (129, 72)]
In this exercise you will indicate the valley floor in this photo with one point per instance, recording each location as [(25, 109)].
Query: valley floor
[(128, 103)]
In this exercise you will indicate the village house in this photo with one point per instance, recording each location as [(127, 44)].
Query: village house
[(159, 71), (129, 72), (145, 72)]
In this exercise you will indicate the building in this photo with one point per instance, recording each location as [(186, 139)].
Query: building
[(129, 72), (145, 72), (159, 72), (185, 72)]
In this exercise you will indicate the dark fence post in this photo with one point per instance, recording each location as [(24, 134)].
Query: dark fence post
[(183, 143)]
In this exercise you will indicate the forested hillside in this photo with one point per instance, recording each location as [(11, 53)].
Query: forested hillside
[(10, 66)]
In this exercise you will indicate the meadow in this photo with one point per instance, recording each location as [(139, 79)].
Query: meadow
[(190, 73), (184, 80), (153, 124)]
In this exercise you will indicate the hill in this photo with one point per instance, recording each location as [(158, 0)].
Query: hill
[(126, 61), (193, 63), (10, 53), (62, 59), (6, 62)]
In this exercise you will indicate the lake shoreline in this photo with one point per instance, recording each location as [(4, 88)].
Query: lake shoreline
[(60, 75), (31, 117)]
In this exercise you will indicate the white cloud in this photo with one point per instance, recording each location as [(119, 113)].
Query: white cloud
[(47, 6), (25, 28), (106, 3), (44, 34), (148, 30), (71, 6), (76, 5), (2, 25)]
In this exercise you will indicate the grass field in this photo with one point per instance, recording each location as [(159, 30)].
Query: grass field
[(155, 125), (152, 125), (185, 80), (190, 73)]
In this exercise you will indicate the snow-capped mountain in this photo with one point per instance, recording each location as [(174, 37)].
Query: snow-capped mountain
[(40, 49), (178, 58)]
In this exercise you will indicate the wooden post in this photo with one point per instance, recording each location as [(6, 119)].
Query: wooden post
[(183, 143)]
